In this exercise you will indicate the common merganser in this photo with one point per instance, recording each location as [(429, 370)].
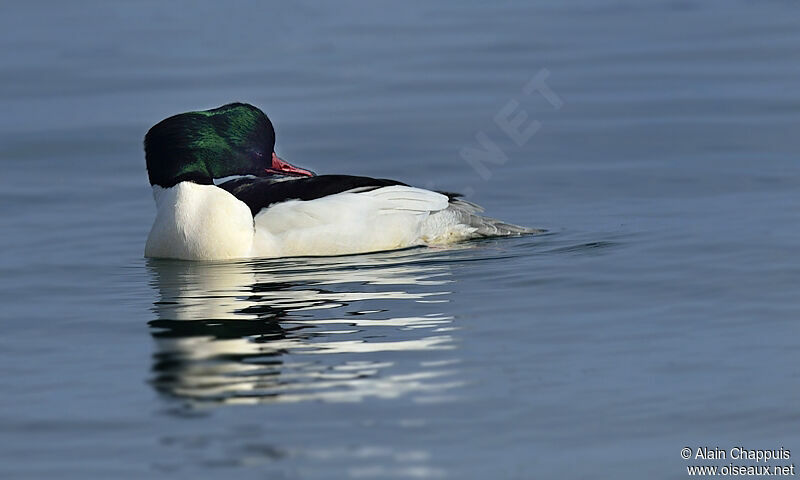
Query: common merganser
[(275, 209)]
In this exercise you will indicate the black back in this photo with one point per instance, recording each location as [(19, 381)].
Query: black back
[(261, 192)]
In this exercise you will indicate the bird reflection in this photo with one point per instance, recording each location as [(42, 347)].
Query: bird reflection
[(300, 329)]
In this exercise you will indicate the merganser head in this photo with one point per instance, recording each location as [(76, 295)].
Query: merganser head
[(234, 139)]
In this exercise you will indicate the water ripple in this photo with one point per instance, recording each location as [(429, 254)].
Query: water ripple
[(304, 329)]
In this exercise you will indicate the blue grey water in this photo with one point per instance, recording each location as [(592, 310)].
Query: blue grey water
[(659, 147)]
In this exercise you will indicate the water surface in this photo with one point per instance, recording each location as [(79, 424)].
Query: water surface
[(660, 311)]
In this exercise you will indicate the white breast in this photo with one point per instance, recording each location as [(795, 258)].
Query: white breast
[(199, 222)]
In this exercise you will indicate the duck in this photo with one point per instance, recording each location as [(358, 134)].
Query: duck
[(222, 193)]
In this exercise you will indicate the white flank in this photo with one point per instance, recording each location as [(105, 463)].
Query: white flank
[(382, 219)]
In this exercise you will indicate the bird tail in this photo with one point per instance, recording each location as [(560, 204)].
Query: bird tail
[(468, 214)]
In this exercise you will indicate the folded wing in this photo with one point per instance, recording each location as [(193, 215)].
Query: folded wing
[(335, 214)]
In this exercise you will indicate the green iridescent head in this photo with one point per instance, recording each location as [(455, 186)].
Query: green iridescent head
[(234, 139)]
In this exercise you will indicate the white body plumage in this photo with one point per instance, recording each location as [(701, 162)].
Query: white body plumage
[(205, 222)]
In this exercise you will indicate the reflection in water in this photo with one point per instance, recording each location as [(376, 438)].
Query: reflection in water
[(307, 328)]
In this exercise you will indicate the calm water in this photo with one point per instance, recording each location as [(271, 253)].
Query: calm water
[(661, 310)]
